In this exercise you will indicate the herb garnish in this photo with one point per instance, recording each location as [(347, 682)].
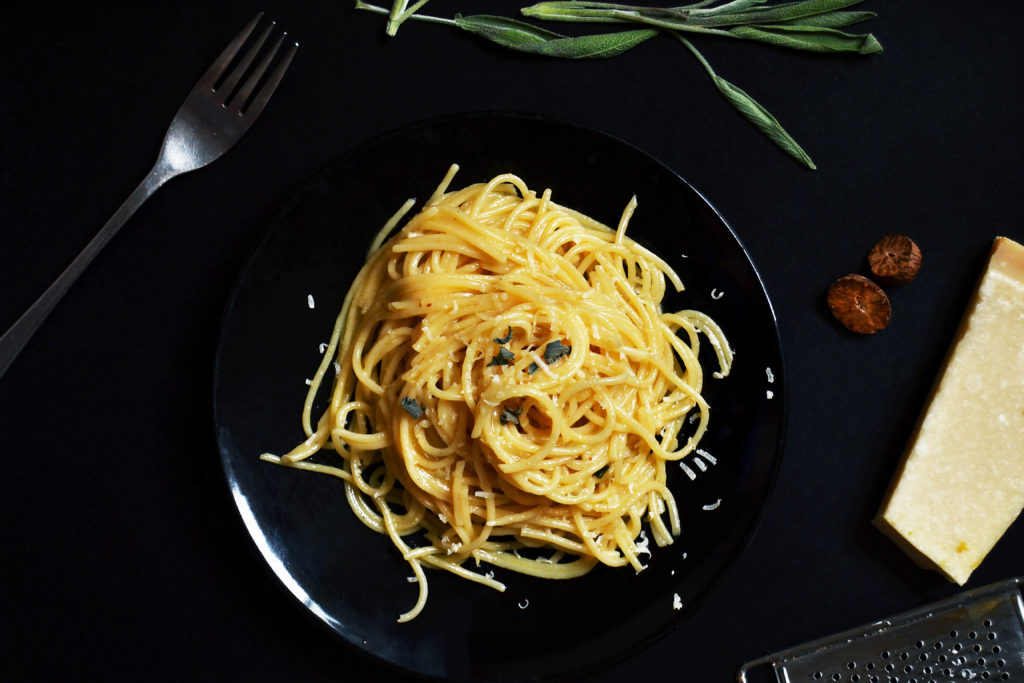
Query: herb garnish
[(601, 472), (808, 25), (503, 357), (555, 350), (506, 339), (510, 416), (412, 406), (533, 368)]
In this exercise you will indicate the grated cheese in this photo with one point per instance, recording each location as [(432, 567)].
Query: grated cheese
[(644, 544)]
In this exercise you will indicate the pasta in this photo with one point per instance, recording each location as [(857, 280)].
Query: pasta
[(508, 389)]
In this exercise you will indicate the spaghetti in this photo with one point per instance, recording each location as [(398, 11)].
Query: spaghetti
[(508, 389)]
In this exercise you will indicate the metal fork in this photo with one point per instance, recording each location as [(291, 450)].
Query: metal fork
[(213, 117)]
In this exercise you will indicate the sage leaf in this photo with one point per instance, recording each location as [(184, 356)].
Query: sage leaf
[(506, 339), (777, 13), (510, 416), (734, 6), (503, 357), (810, 38), (832, 19), (413, 407), (556, 350), (525, 37), (752, 111), (578, 11)]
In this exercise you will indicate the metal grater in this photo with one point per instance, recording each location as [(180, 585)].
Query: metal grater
[(973, 636)]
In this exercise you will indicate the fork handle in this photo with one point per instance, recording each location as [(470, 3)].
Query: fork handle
[(20, 332)]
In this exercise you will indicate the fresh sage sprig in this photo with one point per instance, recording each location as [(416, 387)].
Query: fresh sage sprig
[(808, 25)]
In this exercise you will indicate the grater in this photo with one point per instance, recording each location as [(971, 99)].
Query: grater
[(975, 636)]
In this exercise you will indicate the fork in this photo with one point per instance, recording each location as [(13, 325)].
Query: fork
[(216, 113)]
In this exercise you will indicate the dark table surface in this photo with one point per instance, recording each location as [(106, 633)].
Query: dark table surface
[(124, 553)]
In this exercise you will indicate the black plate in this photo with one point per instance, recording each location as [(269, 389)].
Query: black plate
[(351, 578)]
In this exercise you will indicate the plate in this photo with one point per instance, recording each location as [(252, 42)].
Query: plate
[(283, 307)]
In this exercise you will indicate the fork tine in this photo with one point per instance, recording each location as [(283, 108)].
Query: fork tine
[(236, 74), (221, 63), (263, 96), (250, 83)]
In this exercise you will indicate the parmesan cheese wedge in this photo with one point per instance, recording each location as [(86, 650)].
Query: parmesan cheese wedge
[(961, 482)]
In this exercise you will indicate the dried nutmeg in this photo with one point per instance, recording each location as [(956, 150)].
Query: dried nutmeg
[(859, 304), (895, 260)]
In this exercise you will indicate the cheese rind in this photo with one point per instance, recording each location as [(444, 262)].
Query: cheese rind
[(961, 482)]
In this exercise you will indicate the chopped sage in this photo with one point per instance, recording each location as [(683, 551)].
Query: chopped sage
[(503, 357), (601, 472), (555, 350), (506, 339), (510, 416), (412, 406)]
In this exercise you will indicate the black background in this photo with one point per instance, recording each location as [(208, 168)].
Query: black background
[(124, 554)]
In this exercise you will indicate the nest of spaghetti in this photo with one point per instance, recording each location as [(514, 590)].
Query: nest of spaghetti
[(508, 390)]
